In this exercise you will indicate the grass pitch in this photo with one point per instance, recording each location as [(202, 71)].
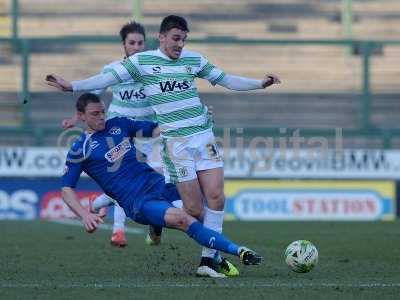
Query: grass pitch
[(45, 260)]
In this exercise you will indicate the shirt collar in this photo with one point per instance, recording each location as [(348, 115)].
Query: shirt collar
[(159, 52)]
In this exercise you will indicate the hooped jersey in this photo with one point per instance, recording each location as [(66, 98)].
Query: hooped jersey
[(128, 99), (171, 89)]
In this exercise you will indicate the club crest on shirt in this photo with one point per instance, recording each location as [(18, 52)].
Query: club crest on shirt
[(188, 69), (115, 130), (118, 152)]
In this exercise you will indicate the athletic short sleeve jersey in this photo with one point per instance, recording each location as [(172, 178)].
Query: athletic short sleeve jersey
[(109, 157), (171, 90), (128, 98)]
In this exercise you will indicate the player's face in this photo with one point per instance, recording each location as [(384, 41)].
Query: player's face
[(172, 42), (94, 116), (133, 43)]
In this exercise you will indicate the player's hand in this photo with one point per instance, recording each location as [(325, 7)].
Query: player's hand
[(59, 83), (91, 221), (102, 212), (156, 132), (210, 110), (210, 113), (269, 80), (68, 123)]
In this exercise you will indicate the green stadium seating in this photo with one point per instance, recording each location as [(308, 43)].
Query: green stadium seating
[(321, 83)]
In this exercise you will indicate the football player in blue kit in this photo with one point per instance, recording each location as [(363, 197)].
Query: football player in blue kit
[(106, 152)]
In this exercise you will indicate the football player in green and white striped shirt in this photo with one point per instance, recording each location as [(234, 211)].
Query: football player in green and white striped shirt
[(190, 154), (128, 100)]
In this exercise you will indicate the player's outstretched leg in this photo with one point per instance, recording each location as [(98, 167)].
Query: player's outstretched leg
[(100, 203), (163, 214), (118, 238), (179, 219), (212, 239)]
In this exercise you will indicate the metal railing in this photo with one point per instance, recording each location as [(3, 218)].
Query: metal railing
[(23, 48), (365, 127)]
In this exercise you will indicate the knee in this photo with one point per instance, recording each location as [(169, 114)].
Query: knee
[(182, 221), (216, 195), (216, 199)]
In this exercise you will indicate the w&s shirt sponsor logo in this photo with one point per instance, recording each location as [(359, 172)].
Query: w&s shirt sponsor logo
[(118, 151), (174, 85), (132, 95)]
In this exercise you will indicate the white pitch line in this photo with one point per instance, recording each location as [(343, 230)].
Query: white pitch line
[(201, 285), (131, 230)]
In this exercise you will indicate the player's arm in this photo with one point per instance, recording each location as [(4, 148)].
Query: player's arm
[(89, 220), (216, 76), (124, 71), (146, 129), (97, 82), (72, 172), (70, 122), (101, 91), (239, 83)]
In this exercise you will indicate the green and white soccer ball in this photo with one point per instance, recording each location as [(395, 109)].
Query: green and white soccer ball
[(301, 256)]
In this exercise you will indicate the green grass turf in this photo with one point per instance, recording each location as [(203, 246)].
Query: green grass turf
[(44, 260)]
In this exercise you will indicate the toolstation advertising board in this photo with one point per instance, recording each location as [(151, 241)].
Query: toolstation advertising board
[(247, 200)]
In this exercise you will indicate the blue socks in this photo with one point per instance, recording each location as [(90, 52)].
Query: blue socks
[(211, 239)]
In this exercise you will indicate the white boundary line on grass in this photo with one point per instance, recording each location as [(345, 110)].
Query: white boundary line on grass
[(131, 230), (200, 285)]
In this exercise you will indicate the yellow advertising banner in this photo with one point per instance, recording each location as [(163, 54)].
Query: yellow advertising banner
[(328, 200)]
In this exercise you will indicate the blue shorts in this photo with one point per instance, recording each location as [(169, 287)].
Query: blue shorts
[(153, 213), (155, 206)]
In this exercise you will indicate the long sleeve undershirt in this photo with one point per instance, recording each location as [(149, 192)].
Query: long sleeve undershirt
[(97, 82), (104, 80), (239, 83)]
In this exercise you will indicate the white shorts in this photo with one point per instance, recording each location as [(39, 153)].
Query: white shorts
[(184, 156), (151, 148)]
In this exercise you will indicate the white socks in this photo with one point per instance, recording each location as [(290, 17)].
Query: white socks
[(102, 201), (119, 218), (119, 215), (213, 219)]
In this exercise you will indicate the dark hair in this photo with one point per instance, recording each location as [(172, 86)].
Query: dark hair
[(173, 21), (131, 27), (84, 100)]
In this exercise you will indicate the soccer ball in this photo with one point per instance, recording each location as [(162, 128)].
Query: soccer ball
[(301, 256)]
